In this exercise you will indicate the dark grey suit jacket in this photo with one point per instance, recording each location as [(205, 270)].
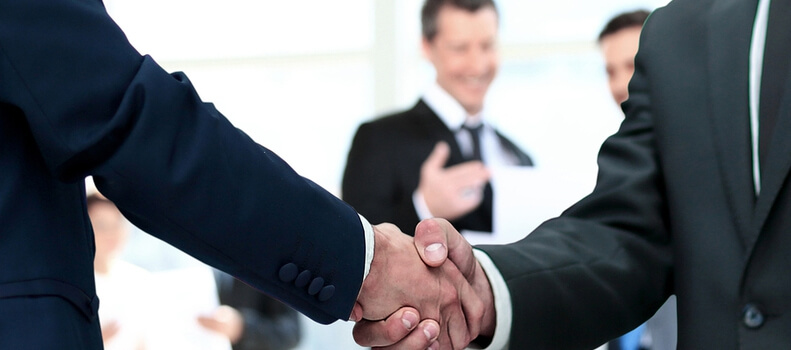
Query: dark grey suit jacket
[(674, 208)]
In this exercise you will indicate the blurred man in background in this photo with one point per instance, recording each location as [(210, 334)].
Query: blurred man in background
[(433, 160), (618, 42)]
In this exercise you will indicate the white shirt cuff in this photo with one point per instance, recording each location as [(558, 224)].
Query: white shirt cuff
[(502, 301), (368, 230), (421, 208)]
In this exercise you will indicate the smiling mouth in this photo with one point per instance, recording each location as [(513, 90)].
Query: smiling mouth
[(479, 82)]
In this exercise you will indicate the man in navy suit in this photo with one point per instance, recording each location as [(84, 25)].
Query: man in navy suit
[(75, 100)]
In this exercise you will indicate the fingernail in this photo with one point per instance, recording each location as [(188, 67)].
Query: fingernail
[(409, 319), (435, 252), (431, 331)]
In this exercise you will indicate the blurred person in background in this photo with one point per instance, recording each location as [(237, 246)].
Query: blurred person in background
[(618, 41), (251, 320), (433, 160), (125, 289)]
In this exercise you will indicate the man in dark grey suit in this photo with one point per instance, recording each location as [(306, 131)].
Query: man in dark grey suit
[(693, 198), (432, 159)]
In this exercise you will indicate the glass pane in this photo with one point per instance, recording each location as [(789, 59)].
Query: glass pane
[(202, 29), (561, 20), (307, 114)]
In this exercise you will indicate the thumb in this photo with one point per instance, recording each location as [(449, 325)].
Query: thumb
[(436, 240), (431, 242), (357, 312), (438, 157), (459, 250)]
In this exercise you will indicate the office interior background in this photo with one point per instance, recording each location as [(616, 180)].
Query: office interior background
[(300, 76)]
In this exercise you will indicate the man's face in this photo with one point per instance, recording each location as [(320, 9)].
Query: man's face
[(619, 49), (464, 53)]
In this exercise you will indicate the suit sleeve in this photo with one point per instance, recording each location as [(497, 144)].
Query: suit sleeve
[(173, 164), (604, 266), (371, 180)]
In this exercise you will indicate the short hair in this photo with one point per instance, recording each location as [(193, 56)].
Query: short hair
[(431, 10), (624, 20)]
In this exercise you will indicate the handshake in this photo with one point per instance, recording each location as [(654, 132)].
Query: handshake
[(426, 292)]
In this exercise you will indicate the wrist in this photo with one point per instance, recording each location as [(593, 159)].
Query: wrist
[(501, 302), (484, 290)]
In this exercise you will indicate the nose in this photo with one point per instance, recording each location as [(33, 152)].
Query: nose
[(480, 61)]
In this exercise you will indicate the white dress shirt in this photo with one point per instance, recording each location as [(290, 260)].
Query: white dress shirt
[(757, 45)]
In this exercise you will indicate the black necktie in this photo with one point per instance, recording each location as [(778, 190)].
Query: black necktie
[(773, 77), (475, 136), (481, 218)]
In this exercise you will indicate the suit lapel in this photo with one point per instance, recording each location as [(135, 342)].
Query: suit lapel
[(432, 124), (730, 29), (521, 156)]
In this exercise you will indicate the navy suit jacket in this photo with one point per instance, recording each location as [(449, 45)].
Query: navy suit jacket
[(76, 99), (674, 209), (383, 168)]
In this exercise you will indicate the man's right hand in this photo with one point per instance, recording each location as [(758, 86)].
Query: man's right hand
[(452, 192), (437, 243), (451, 310)]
